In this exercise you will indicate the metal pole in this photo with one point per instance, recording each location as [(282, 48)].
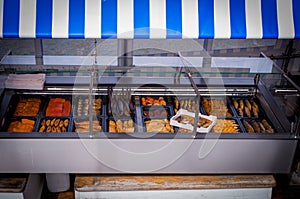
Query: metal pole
[(38, 46), (125, 54), (121, 52)]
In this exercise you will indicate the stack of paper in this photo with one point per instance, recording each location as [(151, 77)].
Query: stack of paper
[(25, 81)]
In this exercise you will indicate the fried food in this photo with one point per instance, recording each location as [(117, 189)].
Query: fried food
[(126, 126), (202, 122), (258, 127), (53, 125), (235, 104), (84, 126), (247, 112), (216, 107), (255, 126), (161, 126), (255, 111), (241, 104), (246, 107), (226, 126), (23, 125), (28, 107), (248, 127), (267, 126), (150, 101)]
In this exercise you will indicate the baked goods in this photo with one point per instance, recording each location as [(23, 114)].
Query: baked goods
[(28, 107), (185, 119), (58, 107), (150, 101), (23, 125), (226, 126), (202, 122), (83, 107), (254, 126), (161, 126), (246, 108), (187, 104), (121, 126), (84, 126), (54, 125), (216, 107)]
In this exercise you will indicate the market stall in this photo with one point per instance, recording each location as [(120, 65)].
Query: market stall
[(116, 114)]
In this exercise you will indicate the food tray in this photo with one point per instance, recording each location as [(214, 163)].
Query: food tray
[(57, 96), (16, 99), (156, 111), (14, 119), (159, 125), (54, 125), (251, 112), (81, 102), (181, 112), (188, 103), (214, 107), (227, 125), (121, 106), (257, 125), (99, 121), (126, 129)]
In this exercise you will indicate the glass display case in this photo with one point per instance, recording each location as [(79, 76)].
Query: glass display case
[(95, 116)]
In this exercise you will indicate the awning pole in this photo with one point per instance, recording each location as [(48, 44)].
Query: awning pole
[(125, 54), (121, 52), (38, 46)]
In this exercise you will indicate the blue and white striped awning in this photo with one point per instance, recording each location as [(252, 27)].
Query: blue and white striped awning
[(149, 19)]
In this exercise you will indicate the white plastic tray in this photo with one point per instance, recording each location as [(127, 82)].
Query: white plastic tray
[(180, 112)]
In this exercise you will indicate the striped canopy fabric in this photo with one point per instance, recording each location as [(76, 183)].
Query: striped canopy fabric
[(149, 19)]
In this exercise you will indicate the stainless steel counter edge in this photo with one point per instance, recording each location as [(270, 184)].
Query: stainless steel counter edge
[(146, 156)]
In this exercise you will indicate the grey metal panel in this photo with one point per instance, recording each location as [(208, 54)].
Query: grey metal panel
[(19, 59), (146, 155)]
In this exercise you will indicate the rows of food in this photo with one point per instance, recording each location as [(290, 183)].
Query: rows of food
[(82, 107), (125, 126), (83, 126), (254, 126), (52, 125), (27, 107), (246, 107), (53, 113), (22, 125), (186, 119)]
